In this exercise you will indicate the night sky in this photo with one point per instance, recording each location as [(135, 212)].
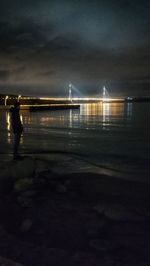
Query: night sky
[(46, 44)]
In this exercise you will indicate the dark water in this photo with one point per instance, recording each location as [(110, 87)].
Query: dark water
[(116, 135)]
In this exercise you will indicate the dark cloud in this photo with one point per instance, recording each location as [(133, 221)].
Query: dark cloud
[(4, 75), (47, 44), (22, 34)]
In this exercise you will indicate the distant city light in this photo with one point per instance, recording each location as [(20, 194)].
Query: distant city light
[(129, 98)]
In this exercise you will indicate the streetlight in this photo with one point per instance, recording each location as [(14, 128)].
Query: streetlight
[(6, 97), (19, 96)]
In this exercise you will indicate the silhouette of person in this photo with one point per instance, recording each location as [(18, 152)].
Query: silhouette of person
[(17, 128)]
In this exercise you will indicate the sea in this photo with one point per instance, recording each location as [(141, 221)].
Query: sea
[(111, 136)]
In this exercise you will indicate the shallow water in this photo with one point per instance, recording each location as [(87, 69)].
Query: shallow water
[(110, 135)]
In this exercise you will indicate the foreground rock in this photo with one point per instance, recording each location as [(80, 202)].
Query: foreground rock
[(75, 219), (19, 169), (6, 262)]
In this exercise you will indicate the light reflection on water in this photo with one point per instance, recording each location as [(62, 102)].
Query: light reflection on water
[(66, 123), (88, 113), (103, 109), (8, 127), (102, 116), (104, 131)]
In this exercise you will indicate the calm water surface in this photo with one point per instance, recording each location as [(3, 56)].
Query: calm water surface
[(111, 134)]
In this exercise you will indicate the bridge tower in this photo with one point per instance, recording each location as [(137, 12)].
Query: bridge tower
[(70, 92)]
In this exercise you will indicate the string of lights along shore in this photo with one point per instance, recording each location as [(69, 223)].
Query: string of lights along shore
[(104, 96)]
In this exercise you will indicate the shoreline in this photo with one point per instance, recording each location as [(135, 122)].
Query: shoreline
[(76, 103)]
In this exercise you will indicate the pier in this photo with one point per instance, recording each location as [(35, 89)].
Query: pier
[(53, 107)]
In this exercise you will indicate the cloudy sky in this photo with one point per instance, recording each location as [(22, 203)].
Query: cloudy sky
[(46, 44)]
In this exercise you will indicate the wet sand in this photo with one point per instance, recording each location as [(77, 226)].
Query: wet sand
[(57, 210)]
